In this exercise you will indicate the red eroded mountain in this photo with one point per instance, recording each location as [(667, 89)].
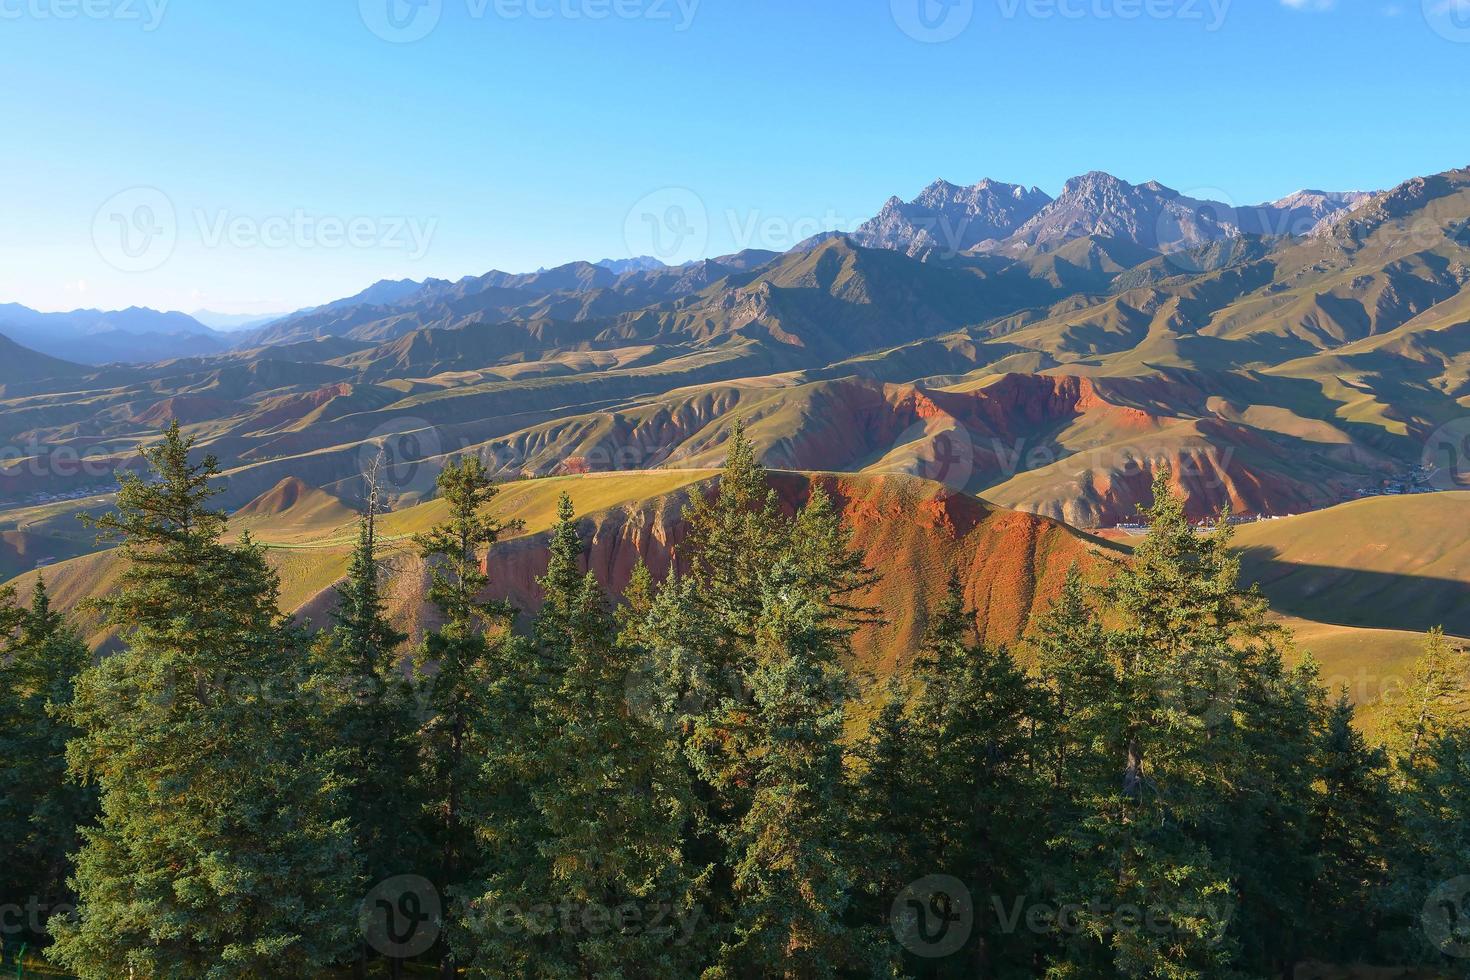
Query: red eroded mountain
[(915, 534)]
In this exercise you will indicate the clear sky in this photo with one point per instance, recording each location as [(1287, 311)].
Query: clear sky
[(272, 154)]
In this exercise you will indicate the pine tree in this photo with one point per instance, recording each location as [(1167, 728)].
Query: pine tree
[(1145, 798), (1434, 701), (368, 718), (977, 789), (734, 537), (1072, 665), (1269, 792), (1428, 736), (888, 810), (41, 811), (791, 871), (829, 570), (1429, 894), (609, 796), (216, 855), (1353, 822), (460, 666)]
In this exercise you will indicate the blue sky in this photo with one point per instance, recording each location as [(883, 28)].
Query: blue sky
[(263, 156)]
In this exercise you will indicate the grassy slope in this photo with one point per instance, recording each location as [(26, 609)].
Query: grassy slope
[(1387, 562), (915, 533)]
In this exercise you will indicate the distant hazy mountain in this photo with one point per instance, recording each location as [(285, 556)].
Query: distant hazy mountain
[(575, 292), (134, 335), (948, 218), (21, 364), (226, 322), (643, 263)]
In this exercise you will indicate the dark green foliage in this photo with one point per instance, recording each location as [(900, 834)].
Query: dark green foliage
[(680, 786), (217, 854), (42, 812), (781, 749), (368, 719), (975, 783), (1354, 821), (607, 797), (463, 667)]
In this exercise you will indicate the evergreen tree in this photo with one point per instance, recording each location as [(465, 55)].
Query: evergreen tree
[(368, 718), (460, 666), (609, 796), (1145, 797), (888, 812), (977, 787), (41, 811), (734, 537), (1428, 735), (1354, 823), (1072, 666), (829, 570), (1434, 701), (791, 869), (1270, 793), (1429, 894), (216, 855)]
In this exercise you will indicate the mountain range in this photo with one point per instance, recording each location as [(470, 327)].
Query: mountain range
[(1028, 383), (944, 221), (97, 337)]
